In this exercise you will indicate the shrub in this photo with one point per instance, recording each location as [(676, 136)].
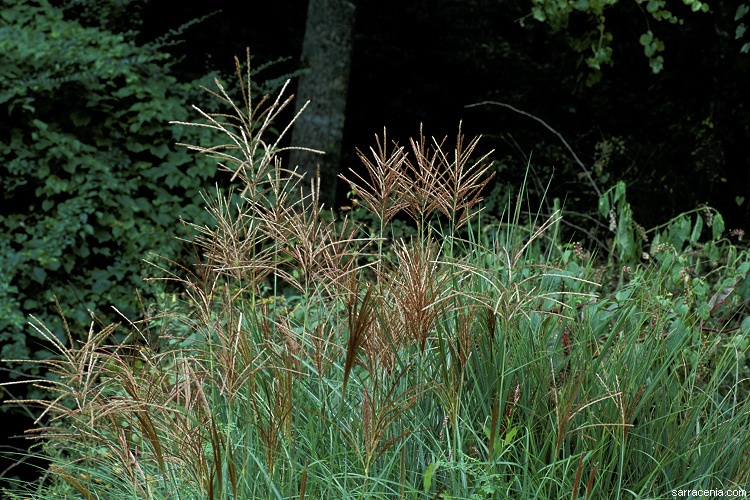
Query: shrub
[(91, 181)]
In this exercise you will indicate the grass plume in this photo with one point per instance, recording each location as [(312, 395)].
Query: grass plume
[(309, 356)]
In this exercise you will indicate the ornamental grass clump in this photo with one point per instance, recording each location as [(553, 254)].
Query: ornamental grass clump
[(312, 356)]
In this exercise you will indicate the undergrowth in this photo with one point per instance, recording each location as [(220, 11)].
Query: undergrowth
[(314, 356)]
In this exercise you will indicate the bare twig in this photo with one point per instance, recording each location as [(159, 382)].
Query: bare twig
[(575, 157)]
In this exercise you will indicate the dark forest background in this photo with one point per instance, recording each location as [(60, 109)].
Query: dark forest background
[(677, 138), (684, 131)]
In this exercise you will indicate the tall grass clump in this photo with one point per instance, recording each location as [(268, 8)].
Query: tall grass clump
[(310, 356)]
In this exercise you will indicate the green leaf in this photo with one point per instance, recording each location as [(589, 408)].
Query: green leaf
[(143, 204), (704, 311), (740, 31), (538, 14), (677, 334), (625, 235), (745, 326), (160, 151), (718, 226), (101, 286), (124, 92), (679, 232), (428, 476), (619, 193), (31, 304), (161, 218), (657, 64), (80, 118), (604, 205), (9, 15), (741, 11), (38, 274), (697, 228), (509, 436)]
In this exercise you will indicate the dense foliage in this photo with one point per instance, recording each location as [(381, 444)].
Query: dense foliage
[(91, 178), (596, 42)]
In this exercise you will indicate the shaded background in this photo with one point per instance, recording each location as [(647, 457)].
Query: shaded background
[(680, 137), (685, 130)]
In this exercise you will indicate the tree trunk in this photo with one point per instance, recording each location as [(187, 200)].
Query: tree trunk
[(326, 52)]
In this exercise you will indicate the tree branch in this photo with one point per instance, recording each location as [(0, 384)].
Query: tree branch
[(585, 170)]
